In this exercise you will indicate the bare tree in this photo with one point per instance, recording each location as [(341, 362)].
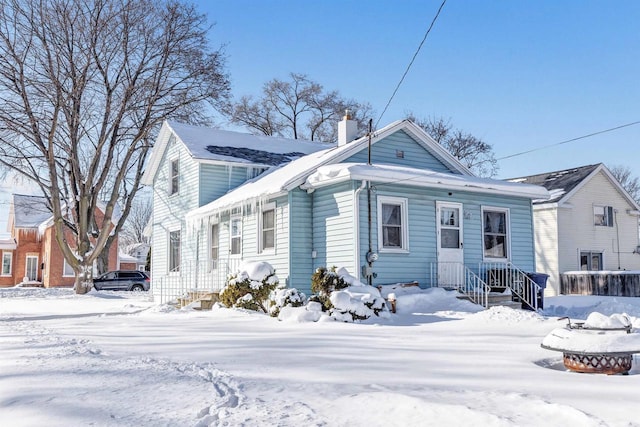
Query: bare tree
[(133, 230), (474, 153), (299, 108), (628, 181), (83, 86)]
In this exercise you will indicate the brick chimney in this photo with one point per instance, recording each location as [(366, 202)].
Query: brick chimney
[(347, 129)]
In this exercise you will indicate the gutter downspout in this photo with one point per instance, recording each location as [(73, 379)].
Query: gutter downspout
[(356, 222)]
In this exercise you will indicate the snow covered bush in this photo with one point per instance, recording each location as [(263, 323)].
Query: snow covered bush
[(344, 297), (356, 302), (323, 283), (285, 297), (250, 287)]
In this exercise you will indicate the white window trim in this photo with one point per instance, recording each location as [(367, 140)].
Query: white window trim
[(231, 219), (171, 192), (64, 265), (592, 251), (210, 246), (175, 273), (404, 212), (4, 254), (267, 207), (607, 220), (507, 212)]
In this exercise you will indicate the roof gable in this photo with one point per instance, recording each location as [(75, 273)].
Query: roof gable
[(286, 177)]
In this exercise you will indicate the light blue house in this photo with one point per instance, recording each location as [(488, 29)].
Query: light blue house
[(390, 207)]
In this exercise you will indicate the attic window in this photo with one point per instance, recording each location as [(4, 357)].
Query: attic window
[(400, 154), (603, 216), (174, 184)]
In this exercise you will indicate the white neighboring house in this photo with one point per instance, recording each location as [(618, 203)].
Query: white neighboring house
[(590, 223)]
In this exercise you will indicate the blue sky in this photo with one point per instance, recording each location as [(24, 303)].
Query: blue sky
[(518, 74)]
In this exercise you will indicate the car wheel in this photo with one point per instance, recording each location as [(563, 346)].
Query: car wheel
[(137, 288)]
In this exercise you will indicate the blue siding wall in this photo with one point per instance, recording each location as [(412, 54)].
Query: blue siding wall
[(300, 224), (333, 231), (216, 180), (415, 155), (414, 265)]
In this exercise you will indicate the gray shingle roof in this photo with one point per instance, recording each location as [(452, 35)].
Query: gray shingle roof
[(253, 155), (558, 183)]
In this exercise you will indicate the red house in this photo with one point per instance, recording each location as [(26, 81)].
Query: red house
[(32, 256)]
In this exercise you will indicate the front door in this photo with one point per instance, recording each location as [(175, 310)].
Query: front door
[(450, 246), (32, 268)]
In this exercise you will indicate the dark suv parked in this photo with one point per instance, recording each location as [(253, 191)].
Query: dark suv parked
[(123, 281)]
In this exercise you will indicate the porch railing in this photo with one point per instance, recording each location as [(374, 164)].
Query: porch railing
[(488, 277), (193, 277), (455, 275), (502, 276)]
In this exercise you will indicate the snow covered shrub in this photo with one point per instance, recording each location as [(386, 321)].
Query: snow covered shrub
[(354, 304), (323, 283), (344, 297), (285, 297), (250, 287)]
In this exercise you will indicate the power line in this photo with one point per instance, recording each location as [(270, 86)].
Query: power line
[(411, 63), (569, 140)]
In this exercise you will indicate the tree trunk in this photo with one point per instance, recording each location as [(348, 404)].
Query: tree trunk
[(102, 262), (84, 280)]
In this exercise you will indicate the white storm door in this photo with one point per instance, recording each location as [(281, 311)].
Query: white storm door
[(32, 268), (450, 246)]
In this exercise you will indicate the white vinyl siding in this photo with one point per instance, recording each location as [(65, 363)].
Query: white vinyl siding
[(577, 232)]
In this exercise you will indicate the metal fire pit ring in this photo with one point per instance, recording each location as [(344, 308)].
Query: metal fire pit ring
[(596, 361), (599, 363)]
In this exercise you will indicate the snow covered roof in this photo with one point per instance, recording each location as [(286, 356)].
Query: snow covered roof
[(208, 144), (29, 211), (127, 258), (8, 244), (279, 180), (330, 174)]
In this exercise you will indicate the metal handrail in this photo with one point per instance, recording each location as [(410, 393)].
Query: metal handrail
[(456, 275), (507, 275)]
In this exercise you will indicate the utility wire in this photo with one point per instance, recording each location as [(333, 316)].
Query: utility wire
[(569, 140), (411, 63)]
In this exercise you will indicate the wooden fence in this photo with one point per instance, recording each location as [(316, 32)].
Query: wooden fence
[(607, 283)]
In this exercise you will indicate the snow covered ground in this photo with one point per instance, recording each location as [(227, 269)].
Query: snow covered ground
[(119, 359)]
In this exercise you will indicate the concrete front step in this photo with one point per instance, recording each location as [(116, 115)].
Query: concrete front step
[(497, 299), (206, 298)]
